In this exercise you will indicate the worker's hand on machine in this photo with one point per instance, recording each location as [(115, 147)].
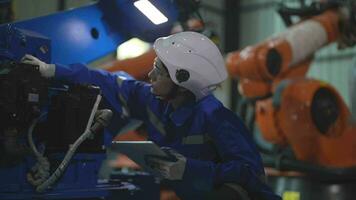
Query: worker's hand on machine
[(171, 168), (46, 70)]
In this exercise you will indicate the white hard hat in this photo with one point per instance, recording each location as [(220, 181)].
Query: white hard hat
[(193, 61)]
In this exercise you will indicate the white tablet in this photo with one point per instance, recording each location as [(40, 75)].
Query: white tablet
[(139, 151)]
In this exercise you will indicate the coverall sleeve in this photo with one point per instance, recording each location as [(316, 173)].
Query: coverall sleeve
[(241, 163), (126, 96)]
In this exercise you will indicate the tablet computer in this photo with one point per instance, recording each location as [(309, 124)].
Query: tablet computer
[(139, 151)]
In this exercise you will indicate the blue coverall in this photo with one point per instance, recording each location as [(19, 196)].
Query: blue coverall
[(218, 147)]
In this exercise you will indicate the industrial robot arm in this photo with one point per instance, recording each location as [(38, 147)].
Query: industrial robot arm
[(306, 114)]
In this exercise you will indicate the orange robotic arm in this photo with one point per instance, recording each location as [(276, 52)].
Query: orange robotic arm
[(138, 67), (312, 118), (308, 115), (258, 66)]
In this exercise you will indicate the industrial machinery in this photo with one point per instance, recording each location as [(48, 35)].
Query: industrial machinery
[(51, 133), (306, 119)]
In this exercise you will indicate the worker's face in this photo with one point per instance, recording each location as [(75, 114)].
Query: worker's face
[(160, 80)]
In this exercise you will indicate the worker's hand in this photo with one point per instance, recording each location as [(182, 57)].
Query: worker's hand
[(172, 168), (46, 70)]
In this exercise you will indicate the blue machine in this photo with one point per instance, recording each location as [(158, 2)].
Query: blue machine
[(80, 35), (87, 33)]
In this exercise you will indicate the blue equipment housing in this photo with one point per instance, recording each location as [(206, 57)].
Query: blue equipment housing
[(88, 33), (79, 35)]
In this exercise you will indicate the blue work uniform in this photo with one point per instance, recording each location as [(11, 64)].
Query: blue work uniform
[(218, 147)]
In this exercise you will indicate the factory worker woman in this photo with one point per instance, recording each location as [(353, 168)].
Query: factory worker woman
[(216, 157)]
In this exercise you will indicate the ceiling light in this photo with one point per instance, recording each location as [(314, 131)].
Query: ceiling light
[(151, 12)]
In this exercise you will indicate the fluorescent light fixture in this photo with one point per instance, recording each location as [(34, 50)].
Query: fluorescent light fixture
[(132, 48), (151, 12)]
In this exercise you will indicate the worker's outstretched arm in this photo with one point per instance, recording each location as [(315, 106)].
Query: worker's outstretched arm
[(123, 93)]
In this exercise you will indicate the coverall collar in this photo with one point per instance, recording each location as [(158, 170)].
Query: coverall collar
[(181, 114)]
